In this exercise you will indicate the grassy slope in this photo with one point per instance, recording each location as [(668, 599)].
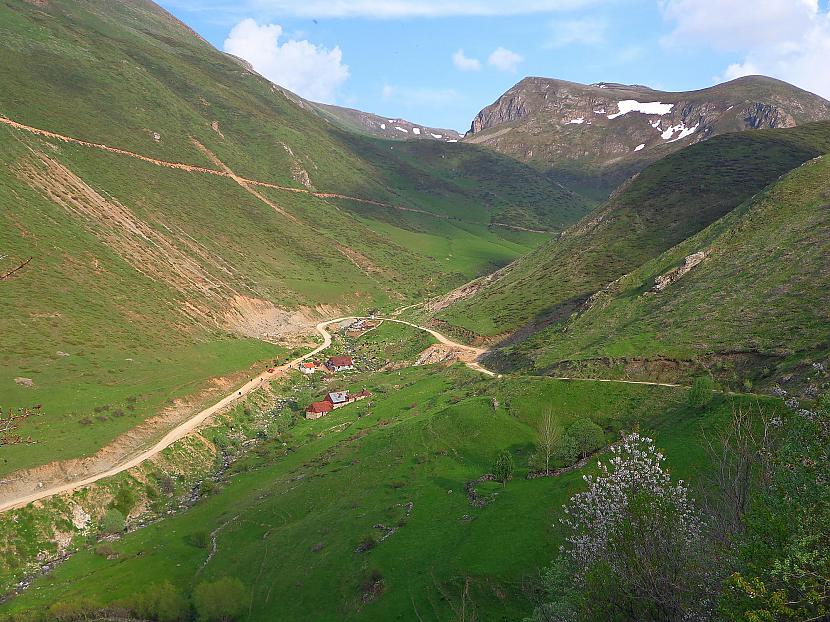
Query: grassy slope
[(114, 73), (423, 435), (761, 290), (668, 202)]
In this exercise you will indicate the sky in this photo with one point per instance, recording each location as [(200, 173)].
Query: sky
[(438, 62)]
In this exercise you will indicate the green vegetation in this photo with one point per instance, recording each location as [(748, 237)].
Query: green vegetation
[(503, 467), (313, 495), (222, 600), (391, 343), (154, 280), (700, 392), (664, 205)]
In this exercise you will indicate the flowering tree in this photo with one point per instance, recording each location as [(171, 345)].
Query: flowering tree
[(636, 546)]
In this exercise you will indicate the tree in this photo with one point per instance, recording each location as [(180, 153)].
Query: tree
[(636, 547), (164, 603), (783, 569), (549, 437), (587, 436), (503, 467), (701, 392), (220, 601)]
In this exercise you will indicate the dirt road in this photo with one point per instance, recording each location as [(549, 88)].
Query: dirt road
[(470, 355), (176, 433)]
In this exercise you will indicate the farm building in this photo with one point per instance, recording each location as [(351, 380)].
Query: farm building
[(340, 363), (318, 409), (334, 399), (307, 367)]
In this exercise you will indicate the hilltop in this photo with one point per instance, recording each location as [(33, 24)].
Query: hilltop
[(593, 137)]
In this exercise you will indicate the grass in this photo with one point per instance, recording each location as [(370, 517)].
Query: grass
[(311, 503)]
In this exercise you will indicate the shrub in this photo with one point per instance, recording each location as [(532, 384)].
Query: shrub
[(701, 392), (219, 601), (164, 603), (586, 436), (199, 539), (113, 521), (124, 500)]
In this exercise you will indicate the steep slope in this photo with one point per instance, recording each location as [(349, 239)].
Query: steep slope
[(664, 205), (176, 206), (594, 137), (747, 297)]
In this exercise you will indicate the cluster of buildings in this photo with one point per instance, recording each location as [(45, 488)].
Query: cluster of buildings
[(334, 364), (332, 401)]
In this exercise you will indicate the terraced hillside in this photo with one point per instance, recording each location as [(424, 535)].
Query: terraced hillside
[(177, 208), (593, 137)]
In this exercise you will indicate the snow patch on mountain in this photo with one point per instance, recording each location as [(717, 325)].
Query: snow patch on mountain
[(641, 146), (578, 121), (632, 105)]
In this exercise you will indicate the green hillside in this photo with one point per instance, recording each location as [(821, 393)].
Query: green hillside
[(756, 306), (292, 519), (665, 204), (148, 279)]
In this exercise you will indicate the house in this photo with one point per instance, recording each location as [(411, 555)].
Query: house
[(334, 399), (318, 409), (307, 367), (338, 398), (340, 363)]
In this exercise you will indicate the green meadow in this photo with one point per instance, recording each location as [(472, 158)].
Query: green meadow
[(375, 490)]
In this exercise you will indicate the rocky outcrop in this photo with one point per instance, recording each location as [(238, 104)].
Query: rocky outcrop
[(664, 280)]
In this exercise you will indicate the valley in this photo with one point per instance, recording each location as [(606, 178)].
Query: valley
[(266, 358)]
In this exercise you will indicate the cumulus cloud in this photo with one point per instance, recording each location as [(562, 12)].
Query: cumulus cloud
[(310, 70), (588, 31), (786, 39), (505, 60), (385, 9), (464, 63)]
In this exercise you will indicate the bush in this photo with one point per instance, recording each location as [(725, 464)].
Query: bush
[(164, 603), (125, 500), (587, 437), (701, 392), (199, 539), (219, 601), (113, 521)]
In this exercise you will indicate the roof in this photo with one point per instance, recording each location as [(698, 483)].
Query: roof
[(338, 397), (308, 365), (319, 407), (341, 361)]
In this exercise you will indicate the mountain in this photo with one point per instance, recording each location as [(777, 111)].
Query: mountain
[(178, 208), (593, 137), (384, 127), (665, 205)]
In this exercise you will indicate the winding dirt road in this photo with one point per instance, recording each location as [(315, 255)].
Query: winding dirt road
[(470, 355)]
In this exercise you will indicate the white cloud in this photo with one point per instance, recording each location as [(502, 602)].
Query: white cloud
[(310, 70), (382, 9), (505, 60), (465, 63), (588, 31), (786, 39)]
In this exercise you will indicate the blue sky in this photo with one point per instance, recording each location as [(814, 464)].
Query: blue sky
[(438, 62)]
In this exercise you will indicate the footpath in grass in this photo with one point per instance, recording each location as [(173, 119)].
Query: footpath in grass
[(362, 514)]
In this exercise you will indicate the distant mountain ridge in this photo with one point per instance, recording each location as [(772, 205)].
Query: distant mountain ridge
[(592, 137)]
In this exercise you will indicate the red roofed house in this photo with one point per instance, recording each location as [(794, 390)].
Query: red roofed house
[(318, 409), (307, 367), (340, 363)]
